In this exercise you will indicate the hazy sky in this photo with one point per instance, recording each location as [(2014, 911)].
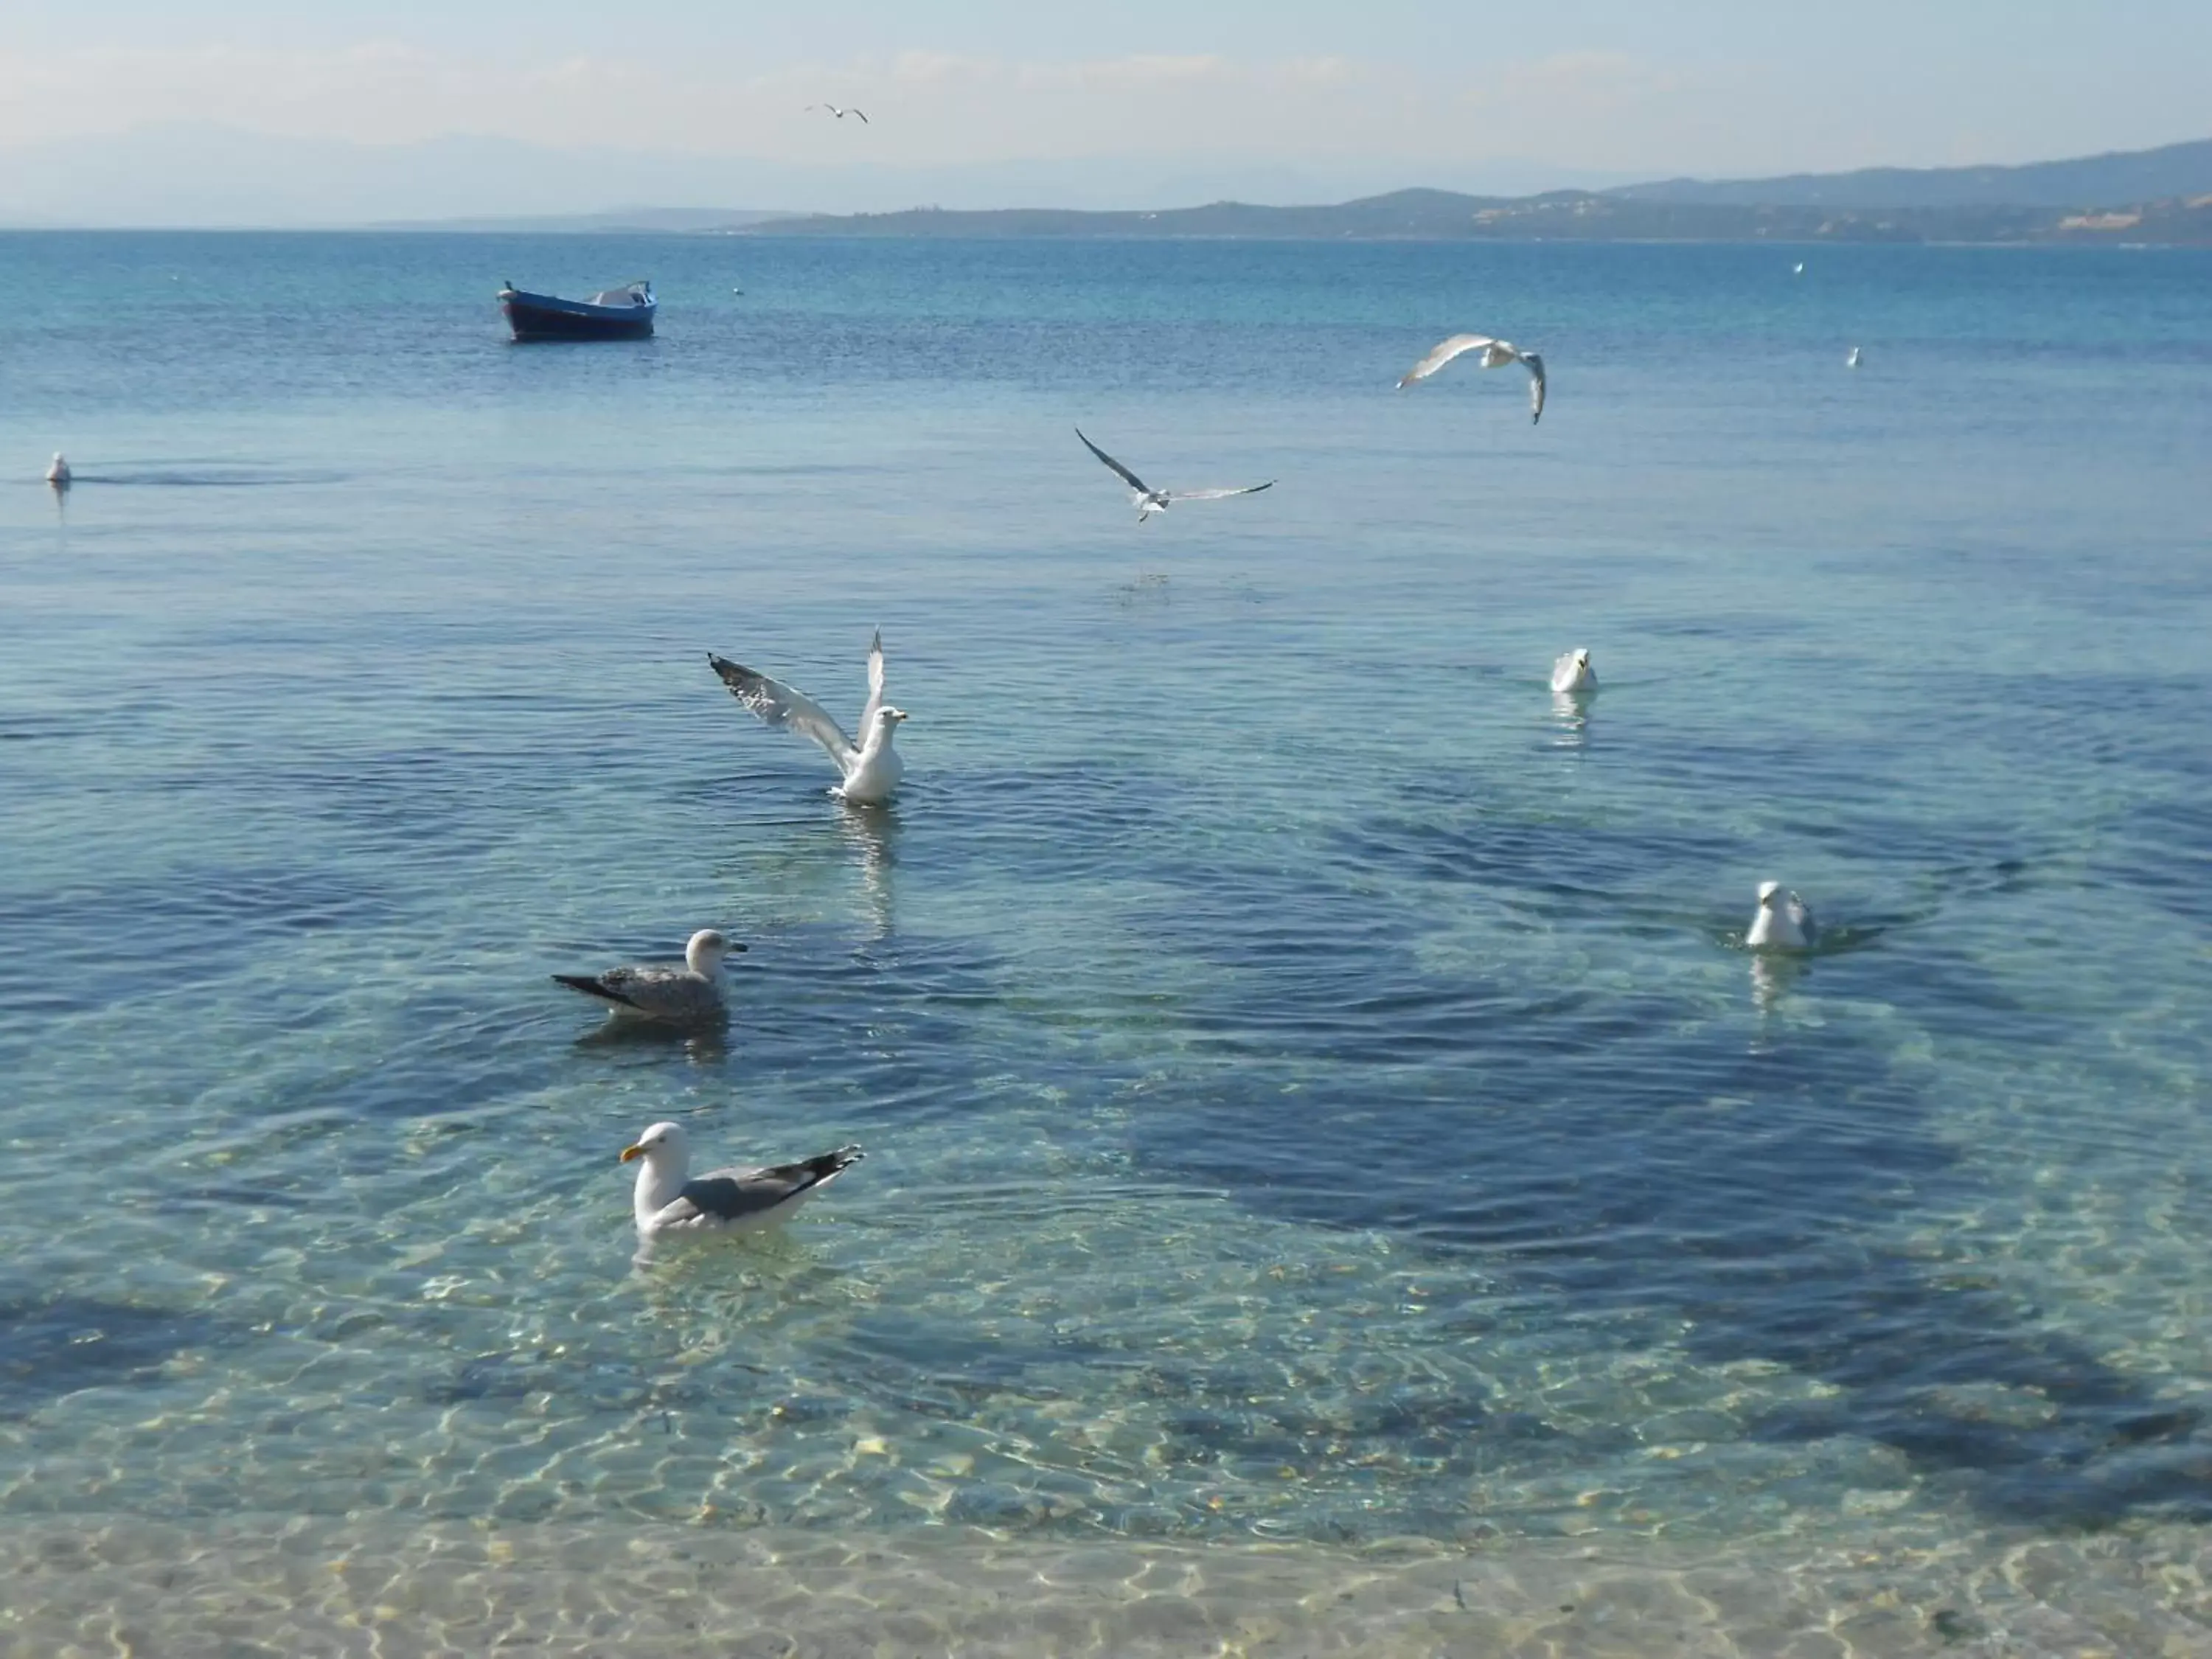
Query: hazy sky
[(1615, 85)]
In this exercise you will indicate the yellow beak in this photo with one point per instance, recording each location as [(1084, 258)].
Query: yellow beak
[(630, 1152)]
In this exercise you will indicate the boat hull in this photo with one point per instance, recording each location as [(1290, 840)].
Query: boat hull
[(547, 317)]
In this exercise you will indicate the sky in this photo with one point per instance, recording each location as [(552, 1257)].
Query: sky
[(1021, 99)]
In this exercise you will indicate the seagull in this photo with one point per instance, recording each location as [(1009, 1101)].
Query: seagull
[(1496, 354), (1852, 361), (871, 767), (1782, 921), (1148, 500), (690, 995), (58, 473), (840, 113), (1797, 270), (668, 1198), (1571, 672)]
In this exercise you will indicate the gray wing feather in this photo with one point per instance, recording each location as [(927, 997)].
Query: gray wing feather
[(1441, 353), (750, 1194), (783, 706), (875, 685), (1120, 472), (1218, 494), (673, 994)]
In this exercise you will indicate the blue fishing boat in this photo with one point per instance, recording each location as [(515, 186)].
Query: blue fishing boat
[(615, 313)]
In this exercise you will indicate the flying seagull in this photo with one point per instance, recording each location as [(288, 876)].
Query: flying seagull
[(1852, 361), (1784, 921), (840, 113), (1148, 500), (669, 1197), (1496, 354), (690, 995), (57, 474), (1571, 672), (869, 769)]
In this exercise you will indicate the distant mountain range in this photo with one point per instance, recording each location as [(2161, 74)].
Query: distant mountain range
[(2091, 181), (1562, 216), (2146, 196)]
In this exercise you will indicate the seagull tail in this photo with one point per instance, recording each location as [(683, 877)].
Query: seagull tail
[(593, 988)]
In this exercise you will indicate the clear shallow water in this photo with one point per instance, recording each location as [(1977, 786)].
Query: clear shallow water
[(1312, 1090)]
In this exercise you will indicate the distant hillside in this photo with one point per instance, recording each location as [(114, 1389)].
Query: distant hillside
[(2144, 175), (1570, 215), (613, 221)]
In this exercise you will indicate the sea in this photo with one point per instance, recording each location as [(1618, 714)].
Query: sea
[(1336, 1180)]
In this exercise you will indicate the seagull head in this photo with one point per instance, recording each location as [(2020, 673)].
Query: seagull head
[(1582, 656), (1768, 892), (662, 1141), (889, 718), (708, 947)]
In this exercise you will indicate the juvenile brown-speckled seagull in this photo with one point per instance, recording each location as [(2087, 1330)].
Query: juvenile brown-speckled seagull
[(1496, 354), (1148, 500), (870, 770), (690, 995), (669, 1197)]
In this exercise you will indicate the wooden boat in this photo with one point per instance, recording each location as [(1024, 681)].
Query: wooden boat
[(617, 313)]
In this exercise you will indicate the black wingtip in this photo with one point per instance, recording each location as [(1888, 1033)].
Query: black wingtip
[(592, 988)]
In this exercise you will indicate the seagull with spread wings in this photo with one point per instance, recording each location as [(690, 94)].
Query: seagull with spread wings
[(871, 768), (1148, 500), (1496, 354), (840, 113)]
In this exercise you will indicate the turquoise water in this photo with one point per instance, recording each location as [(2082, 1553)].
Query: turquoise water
[(1313, 1088)]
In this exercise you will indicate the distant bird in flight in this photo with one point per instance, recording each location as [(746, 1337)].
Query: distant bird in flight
[(1148, 500), (1797, 270), (1852, 361), (1496, 354), (840, 113)]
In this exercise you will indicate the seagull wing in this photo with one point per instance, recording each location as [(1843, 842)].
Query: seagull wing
[(863, 115), (781, 705), (1217, 495), (748, 1195), (875, 685), (1442, 352), (1535, 365), (1120, 471), (670, 994)]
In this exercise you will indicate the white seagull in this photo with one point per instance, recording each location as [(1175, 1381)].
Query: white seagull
[(1852, 361), (840, 113), (1571, 670), (871, 768), (669, 1197), (1496, 354), (1148, 500), (57, 472), (690, 995), (1784, 921)]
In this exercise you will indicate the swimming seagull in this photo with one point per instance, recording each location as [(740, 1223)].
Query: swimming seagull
[(669, 1197), (1496, 354), (871, 768), (1148, 500), (58, 473), (1783, 922), (690, 995), (1852, 361), (1571, 672), (840, 113)]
